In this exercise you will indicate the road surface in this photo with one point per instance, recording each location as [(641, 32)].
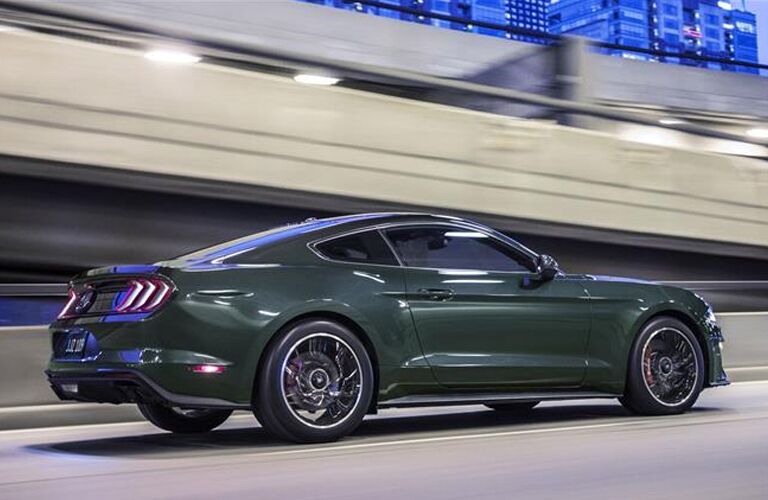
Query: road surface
[(575, 450)]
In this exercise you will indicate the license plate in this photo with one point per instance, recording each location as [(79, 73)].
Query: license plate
[(70, 388), (75, 345)]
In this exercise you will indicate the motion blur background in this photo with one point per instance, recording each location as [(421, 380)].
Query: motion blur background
[(625, 137)]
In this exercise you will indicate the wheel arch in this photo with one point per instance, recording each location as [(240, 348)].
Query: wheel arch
[(686, 319), (342, 319)]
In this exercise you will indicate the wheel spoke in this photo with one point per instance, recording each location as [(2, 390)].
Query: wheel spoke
[(321, 380), (669, 365)]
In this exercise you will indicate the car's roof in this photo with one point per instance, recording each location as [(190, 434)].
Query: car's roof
[(315, 226)]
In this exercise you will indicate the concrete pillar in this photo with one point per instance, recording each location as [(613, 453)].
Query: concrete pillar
[(573, 79)]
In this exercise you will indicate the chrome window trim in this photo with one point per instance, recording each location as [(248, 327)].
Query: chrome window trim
[(453, 224)]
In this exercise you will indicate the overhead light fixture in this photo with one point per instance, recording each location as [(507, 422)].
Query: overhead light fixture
[(315, 79), (172, 57), (671, 121), (758, 133)]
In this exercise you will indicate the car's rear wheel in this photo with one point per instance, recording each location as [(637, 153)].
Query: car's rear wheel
[(521, 407), (316, 383), (181, 420), (666, 369)]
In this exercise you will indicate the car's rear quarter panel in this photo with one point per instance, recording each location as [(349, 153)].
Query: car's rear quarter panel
[(234, 313)]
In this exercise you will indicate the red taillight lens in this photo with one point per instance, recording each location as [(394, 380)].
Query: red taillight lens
[(71, 298), (116, 296), (144, 295)]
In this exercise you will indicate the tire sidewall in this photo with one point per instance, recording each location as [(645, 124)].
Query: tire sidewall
[(638, 396), (271, 404)]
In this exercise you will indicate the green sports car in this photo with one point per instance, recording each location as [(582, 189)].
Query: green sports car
[(314, 325)]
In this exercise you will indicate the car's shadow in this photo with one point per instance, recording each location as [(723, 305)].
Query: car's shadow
[(396, 427)]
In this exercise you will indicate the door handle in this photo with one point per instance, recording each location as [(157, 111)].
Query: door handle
[(439, 294)]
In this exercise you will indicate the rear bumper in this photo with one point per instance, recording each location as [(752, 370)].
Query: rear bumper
[(124, 385)]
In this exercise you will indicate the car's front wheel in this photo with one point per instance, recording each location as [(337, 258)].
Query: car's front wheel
[(666, 369), (316, 383), (182, 420)]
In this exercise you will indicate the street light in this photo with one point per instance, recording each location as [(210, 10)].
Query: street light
[(308, 79), (758, 133)]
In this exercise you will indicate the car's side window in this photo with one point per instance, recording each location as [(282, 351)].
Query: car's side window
[(453, 248), (368, 247)]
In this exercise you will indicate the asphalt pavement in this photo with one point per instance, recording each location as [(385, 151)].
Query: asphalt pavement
[(575, 450)]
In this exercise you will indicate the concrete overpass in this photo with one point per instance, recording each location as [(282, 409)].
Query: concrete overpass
[(68, 101)]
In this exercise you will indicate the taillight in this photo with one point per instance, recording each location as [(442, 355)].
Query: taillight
[(144, 295), (117, 296), (71, 298)]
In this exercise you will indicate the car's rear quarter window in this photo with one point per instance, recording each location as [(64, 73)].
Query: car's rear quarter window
[(366, 247)]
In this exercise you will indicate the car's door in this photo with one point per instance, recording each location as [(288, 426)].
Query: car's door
[(482, 319)]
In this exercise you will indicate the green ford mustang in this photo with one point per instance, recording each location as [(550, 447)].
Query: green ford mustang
[(314, 325)]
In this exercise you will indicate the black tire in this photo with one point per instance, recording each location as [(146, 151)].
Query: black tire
[(685, 363), (521, 407), (279, 402), (183, 421)]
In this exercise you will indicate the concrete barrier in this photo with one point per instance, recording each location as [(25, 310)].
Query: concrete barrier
[(24, 353)]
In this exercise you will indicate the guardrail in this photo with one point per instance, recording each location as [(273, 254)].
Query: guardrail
[(33, 289), (29, 304)]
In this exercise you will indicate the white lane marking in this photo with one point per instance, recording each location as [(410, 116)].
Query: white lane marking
[(361, 445), (460, 437), (750, 382), (50, 407), (747, 368), (236, 418), (86, 427), (467, 437), (745, 313)]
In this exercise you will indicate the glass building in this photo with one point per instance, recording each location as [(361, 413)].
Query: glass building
[(525, 14), (620, 22), (721, 29), (741, 41), (710, 28)]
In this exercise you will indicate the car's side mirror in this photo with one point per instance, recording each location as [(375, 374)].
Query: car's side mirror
[(547, 268)]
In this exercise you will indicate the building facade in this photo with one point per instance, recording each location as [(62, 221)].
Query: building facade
[(619, 22), (742, 34), (720, 29), (524, 14), (709, 28)]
